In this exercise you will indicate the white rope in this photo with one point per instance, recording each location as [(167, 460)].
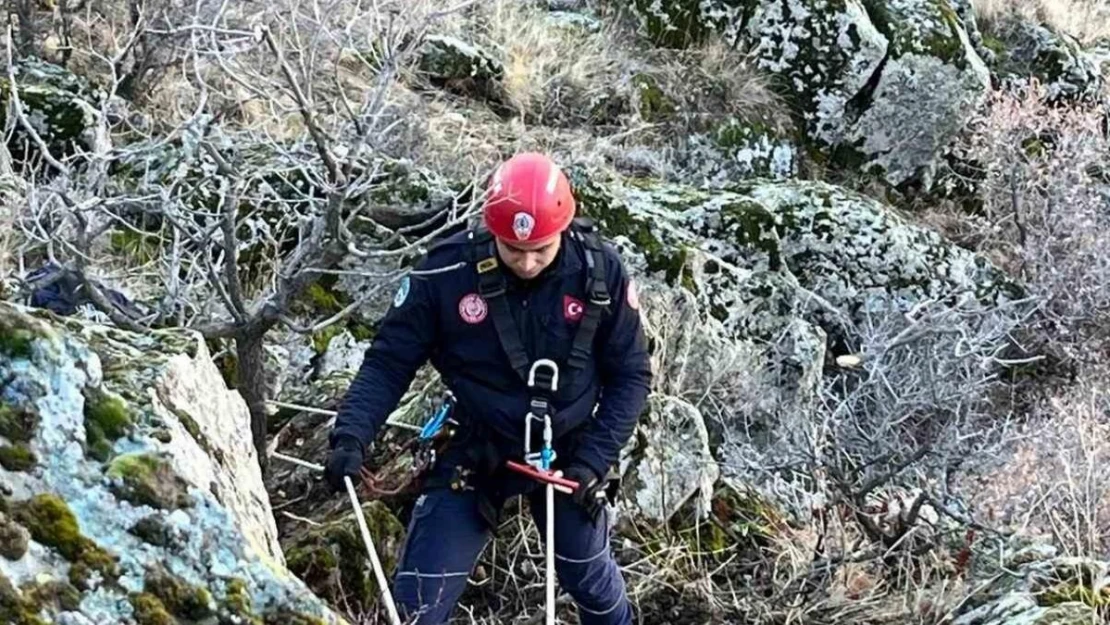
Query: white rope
[(378, 573), (332, 413), (366, 539), (550, 554)]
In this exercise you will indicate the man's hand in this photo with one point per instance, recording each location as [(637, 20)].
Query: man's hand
[(590, 493), (345, 461)]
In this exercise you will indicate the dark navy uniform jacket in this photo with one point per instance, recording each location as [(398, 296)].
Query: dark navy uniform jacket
[(439, 316)]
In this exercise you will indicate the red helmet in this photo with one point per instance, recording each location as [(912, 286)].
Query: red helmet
[(529, 199)]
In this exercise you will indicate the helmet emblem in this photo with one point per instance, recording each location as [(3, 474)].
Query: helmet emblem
[(523, 223)]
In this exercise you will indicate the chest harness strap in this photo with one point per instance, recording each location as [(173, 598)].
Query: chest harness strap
[(492, 288)]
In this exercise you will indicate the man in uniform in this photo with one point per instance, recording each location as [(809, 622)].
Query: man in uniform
[(527, 315)]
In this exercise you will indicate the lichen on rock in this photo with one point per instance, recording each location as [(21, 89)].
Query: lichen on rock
[(456, 65), (105, 526), (682, 23)]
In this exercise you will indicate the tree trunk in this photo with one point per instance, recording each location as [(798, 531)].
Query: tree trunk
[(252, 386)]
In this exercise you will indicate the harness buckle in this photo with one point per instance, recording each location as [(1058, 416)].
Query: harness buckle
[(599, 293)]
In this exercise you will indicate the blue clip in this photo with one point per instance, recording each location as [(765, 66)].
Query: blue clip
[(432, 427)]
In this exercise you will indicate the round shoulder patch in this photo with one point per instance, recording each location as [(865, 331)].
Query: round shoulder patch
[(632, 295), (472, 308), (402, 292)]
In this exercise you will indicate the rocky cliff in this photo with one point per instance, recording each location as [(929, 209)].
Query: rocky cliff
[(870, 240)]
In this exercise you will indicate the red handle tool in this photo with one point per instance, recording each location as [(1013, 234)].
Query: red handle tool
[(561, 484)]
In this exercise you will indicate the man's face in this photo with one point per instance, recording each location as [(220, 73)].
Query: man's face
[(527, 260)]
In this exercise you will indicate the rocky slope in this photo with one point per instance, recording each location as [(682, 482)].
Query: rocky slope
[(131, 491), (130, 488)]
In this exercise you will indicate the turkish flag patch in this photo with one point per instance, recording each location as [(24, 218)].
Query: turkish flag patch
[(573, 308)]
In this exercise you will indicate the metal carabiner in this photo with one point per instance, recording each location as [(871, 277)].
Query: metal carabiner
[(544, 362)]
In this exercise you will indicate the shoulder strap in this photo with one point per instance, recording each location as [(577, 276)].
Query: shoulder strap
[(491, 286), (597, 294)]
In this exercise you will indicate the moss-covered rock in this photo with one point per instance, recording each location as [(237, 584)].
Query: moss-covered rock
[(17, 457), (16, 339), (458, 66), (53, 595), (58, 104), (70, 519), (148, 479), (652, 102), (745, 249), (1043, 590), (107, 418), (152, 530), (682, 23), (331, 559), (17, 424), (180, 598), (15, 609), (149, 610), (52, 523), (1057, 60), (877, 85), (13, 538)]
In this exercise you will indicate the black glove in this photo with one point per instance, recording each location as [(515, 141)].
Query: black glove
[(590, 493), (345, 461)]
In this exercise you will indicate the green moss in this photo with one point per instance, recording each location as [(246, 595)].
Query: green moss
[(322, 299), (994, 44), (142, 247), (178, 596), (289, 617), (684, 23), (944, 42), (15, 609), (360, 331), (16, 424), (148, 479), (53, 524), (737, 522), (13, 539), (315, 556), (149, 610), (18, 457), (107, 418), (15, 343), (321, 339), (655, 105), (53, 596), (1071, 592), (237, 603), (162, 435), (193, 428)]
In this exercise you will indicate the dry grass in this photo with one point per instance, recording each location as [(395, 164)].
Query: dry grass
[(1086, 20), (548, 67)]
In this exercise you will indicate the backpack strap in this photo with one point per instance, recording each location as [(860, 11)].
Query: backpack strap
[(597, 295), (492, 287)]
